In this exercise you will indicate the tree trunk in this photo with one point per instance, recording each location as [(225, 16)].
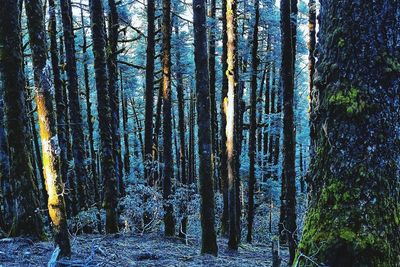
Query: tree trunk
[(44, 93), (253, 123), (287, 220), (353, 218), (223, 150), (124, 99), (59, 99), (207, 210), (113, 27), (181, 123), (167, 119), (89, 117), (110, 201), (212, 76), (26, 221), (312, 24), (148, 124), (229, 106), (78, 140)]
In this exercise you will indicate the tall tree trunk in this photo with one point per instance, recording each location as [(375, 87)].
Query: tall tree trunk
[(26, 221), (70, 174), (191, 168), (167, 119), (229, 106), (44, 93), (148, 124), (89, 116), (113, 20), (312, 24), (124, 99), (59, 99), (287, 220), (353, 217), (253, 123), (211, 65), (181, 123), (207, 210), (223, 148), (105, 116), (5, 182), (78, 140)]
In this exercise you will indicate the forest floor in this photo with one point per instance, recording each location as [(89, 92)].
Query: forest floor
[(133, 250)]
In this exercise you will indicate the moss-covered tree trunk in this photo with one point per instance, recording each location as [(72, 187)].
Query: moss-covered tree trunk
[(207, 211), (353, 218), (113, 89), (167, 119), (94, 193), (59, 99), (51, 153), (25, 219), (110, 201), (74, 108)]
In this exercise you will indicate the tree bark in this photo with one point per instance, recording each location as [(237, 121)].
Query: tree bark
[(207, 210), (167, 119), (253, 123), (113, 20), (287, 220), (76, 121), (110, 201), (25, 221), (353, 218), (51, 152), (230, 114), (148, 124), (223, 151)]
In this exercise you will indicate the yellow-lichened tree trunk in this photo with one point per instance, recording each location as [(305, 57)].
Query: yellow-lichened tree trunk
[(44, 93)]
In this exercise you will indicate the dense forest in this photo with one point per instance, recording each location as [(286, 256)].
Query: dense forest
[(200, 133)]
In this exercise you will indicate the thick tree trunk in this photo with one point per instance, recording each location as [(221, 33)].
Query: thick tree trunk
[(44, 93), (26, 221), (253, 123), (353, 218), (287, 220), (207, 210), (167, 119), (148, 124), (5, 182), (78, 140), (110, 201)]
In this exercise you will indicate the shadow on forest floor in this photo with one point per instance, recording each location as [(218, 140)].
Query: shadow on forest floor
[(133, 250)]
